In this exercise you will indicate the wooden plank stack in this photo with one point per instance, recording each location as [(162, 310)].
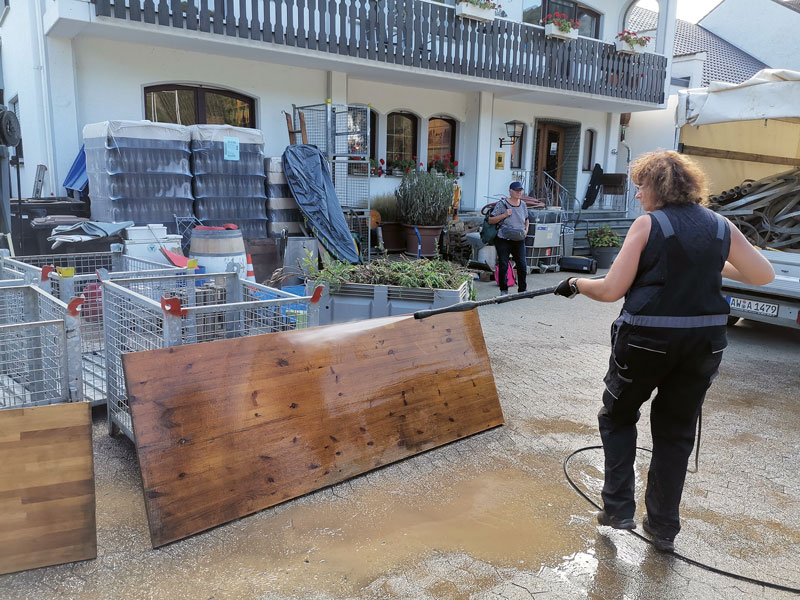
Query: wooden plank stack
[(767, 211), (228, 428)]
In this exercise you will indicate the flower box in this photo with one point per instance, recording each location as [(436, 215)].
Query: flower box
[(626, 48), (465, 10), (551, 30), (360, 301)]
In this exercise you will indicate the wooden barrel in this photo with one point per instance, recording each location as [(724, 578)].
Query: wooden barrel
[(215, 248)]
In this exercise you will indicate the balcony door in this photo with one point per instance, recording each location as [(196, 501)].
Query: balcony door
[(549, 152)]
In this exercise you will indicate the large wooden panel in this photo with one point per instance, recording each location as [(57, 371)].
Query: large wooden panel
[(226, 428), (46, 486)]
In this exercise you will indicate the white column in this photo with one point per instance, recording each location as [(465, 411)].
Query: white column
[(422, 157), (476, 151), (66, 131), (337, 87)]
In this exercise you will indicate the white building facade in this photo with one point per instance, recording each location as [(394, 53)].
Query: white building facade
[(66, 63)]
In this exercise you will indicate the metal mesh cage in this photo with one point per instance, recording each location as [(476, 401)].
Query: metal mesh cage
[(213, 307), (342, 133), (36, 338), (76, 275)]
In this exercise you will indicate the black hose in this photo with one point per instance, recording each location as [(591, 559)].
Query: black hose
[(686, 559)]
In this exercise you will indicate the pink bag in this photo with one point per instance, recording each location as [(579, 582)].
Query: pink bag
[(510, 279)]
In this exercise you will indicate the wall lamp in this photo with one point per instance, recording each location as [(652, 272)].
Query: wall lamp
[(513, 131)]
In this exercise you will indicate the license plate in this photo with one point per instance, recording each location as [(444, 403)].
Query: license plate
[(753, 306)]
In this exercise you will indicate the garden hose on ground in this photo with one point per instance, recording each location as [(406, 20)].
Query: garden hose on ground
[(686, 559)]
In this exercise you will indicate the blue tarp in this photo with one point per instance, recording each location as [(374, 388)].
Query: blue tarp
[(77, 179), (308, 177)]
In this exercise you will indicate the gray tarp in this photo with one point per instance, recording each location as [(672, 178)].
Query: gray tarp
[(310, 181)]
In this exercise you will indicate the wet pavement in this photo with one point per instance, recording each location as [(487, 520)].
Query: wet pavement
[(492, 516)]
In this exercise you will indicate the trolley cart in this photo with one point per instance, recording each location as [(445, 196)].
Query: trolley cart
[(39, 348), (72, 275), (147, 313), (545, 240)]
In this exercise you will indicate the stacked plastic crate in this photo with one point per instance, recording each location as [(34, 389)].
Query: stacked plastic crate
[(138, 171), (282, 210), (228, 168)]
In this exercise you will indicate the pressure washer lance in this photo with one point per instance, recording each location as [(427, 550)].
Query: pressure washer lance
[(465, 306)]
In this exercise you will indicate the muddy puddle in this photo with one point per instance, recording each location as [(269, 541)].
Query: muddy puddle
[(506, 517)]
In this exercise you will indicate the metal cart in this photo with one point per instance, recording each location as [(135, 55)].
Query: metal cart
[(73, 275), (39, 348), (147, 313), (545, 240)]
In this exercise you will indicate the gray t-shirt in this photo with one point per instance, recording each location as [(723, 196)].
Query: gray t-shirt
[(513, 227)]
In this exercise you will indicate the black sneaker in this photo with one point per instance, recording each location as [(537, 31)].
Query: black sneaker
[(662, 544), (610, 521)]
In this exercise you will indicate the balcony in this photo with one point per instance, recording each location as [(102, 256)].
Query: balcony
[(425, 36)]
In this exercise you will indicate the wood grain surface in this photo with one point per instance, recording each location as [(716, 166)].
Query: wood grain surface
[(46, 486), (227, 428)]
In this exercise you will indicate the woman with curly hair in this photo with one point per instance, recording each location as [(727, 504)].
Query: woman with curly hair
[(669, 336)]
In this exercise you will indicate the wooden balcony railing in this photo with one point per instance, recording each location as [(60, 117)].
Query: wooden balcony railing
[(415, 33)]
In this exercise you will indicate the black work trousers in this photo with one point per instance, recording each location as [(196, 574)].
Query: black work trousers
[(680, 364), (516, 250)]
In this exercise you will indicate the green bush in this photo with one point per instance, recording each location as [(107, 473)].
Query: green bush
[(603, 237), (424, 199), (386, 205), (431, 274)]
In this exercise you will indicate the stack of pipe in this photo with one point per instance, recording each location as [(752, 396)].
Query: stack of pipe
[(767, 211)]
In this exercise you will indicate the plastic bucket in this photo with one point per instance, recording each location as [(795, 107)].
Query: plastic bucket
[(215, 249)]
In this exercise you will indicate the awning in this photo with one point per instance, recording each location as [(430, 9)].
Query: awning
[(769, 94)]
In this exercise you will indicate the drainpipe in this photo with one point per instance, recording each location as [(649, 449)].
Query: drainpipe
[(40, 64)]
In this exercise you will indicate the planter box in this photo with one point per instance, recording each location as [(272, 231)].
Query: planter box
[(625, 48), (552, 31), (465, 10), (360, 301)]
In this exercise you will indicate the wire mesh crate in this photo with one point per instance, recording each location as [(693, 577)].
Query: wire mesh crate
[(67, 276), (39, 348), (545, 240), (152, 312), (342, 133)]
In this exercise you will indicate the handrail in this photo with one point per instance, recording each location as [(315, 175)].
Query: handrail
[(422, 34), (557, 195)]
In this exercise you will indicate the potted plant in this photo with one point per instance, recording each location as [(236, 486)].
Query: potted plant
[(376, 167), (423, 204), (477, 10), (391, 227), (444, 165), (630, 42), (558, 25), (390, 287), (604, 245), (401, 167)]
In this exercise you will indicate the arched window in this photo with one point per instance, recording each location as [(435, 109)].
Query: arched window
[(588, 150), (441, 142), (194, 104), (401, 137)]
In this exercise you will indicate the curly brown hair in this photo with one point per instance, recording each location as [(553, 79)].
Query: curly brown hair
[(674, 178)]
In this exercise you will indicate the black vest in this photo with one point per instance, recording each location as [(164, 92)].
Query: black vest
[(679, 280)]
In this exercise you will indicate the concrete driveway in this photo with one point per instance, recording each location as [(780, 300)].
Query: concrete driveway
[(492, 516)]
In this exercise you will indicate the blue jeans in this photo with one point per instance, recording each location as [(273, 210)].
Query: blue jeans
[(516, 250)]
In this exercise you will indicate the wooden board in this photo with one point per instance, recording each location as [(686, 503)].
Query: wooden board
[(46, 486), (227, 428)]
